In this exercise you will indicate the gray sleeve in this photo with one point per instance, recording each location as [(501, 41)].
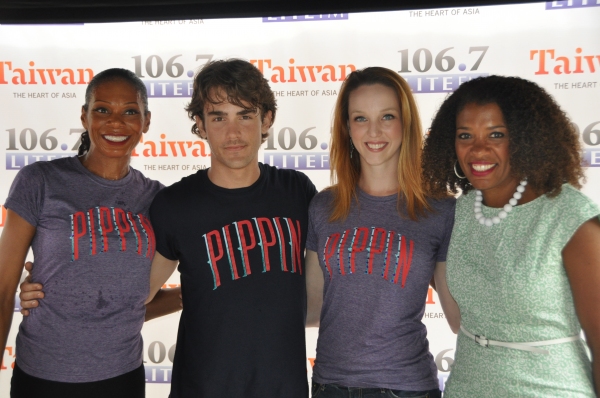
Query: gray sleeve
[(318, 213), (311, 238), (26, 195)]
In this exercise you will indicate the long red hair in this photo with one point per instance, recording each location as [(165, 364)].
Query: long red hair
[(345, 170)]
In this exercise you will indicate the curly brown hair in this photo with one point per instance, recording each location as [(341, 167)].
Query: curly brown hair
[(240, 80), (544, 146)]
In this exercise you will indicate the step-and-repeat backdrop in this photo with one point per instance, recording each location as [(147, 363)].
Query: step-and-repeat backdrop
[(44, 70)]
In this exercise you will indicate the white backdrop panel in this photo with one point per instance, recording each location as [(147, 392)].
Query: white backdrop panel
[(44, 70)]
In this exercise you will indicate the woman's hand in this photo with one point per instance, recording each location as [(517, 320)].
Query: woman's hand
[(30, 292)]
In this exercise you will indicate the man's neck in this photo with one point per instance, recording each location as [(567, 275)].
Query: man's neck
[(234, 178)]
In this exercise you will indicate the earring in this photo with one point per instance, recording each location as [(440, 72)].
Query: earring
[(456, 172), (351, 149)]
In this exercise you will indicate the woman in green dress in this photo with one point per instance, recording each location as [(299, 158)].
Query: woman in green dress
[(523, 267)]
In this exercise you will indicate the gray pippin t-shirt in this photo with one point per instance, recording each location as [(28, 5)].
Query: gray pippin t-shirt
[(92, 251), (377, 266)]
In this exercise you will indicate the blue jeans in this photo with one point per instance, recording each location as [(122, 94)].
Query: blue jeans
[(335, 391)]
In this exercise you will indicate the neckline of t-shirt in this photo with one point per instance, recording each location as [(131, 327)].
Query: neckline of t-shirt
[(102, 181), (234, 191), (387, 198)]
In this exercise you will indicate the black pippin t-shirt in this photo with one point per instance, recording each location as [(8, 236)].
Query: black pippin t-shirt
[(241, 254)]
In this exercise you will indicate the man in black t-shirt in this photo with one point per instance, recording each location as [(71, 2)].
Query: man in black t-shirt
[(237, 231)]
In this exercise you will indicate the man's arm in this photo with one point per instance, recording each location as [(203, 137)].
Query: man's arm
[(14, 244), (166, 301), (314, 289), (162, 301)]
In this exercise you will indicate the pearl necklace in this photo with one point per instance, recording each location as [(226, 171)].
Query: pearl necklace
[(488, 222)]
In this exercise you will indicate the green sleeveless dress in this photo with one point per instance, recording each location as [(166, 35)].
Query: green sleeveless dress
[(510, 284)]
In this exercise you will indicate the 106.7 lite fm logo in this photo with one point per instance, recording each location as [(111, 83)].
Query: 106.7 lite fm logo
[(591, 140), (281, 149), (158, 362), (417, 65), (25, 146), (444, 364), (154, 68), (28, 145)]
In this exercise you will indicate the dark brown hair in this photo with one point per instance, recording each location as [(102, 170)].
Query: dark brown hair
[(242, 84)]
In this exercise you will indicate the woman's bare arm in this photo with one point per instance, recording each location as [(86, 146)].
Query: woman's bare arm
[(162, 301), (14, 244), (581, 258), (449, 305), (314, 289)]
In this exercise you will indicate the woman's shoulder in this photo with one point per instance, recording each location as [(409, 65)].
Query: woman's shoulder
[(325, 197), (464, 201), (569, 193), (571, 200), (444, 205), (147, 183), (44, 167), (321, 205)]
